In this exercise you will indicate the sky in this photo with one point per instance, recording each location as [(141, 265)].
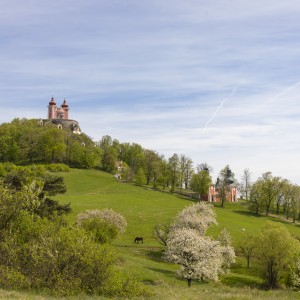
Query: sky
[(217, 81)]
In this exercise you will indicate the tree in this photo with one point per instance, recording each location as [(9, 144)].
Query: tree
[(204, 166), (110, 155), (222, 190), (173, 171), (225, 180), (107, 215), (150, 159), (44, 184), (247, 247), (284, 191), (227, 251), (163, 178), (295, 201), (270, 188), (227, 175), (255, 202), (277, 251), (185, 171), (188, 172), (140, 177), (161, 232), (199, 256), (245, 185), (197, 216), (53, 146), (201, 182)]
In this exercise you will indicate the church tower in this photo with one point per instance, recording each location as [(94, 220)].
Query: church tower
[(65, 108), (52, 109)]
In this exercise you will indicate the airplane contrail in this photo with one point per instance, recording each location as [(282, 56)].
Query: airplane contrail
[(283, 92), (220, 106)]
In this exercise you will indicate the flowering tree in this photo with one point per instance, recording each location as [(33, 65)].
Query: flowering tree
[(199, 256), (107, 215), (198, 216), (227, 250)]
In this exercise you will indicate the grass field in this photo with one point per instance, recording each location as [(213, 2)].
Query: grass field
[(143, 208)]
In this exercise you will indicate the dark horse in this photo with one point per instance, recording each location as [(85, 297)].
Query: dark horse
[(139, 239)]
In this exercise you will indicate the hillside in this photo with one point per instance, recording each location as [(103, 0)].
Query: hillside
[(143, 208)]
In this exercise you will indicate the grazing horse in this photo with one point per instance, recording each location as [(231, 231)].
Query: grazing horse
[(139, 239)]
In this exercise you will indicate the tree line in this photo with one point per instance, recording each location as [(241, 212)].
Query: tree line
[(271, 194), (25, 142)]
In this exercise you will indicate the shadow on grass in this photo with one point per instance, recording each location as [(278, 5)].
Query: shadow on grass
[(149, 282), (163, 271), (241, 281), (247, 213), (155, 255)]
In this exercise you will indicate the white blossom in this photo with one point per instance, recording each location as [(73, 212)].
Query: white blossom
[(199, 256), (106, 214), (198, 216)]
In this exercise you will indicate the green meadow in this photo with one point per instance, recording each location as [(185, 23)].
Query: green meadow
[(143, 208)]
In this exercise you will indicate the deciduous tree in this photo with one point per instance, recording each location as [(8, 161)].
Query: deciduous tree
[(201, 182), (199, 256), (277, 251)]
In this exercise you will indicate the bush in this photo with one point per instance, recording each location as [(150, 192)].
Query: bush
[(43, 255), (58, 168), (107, 215), (12, 279), (100, 230)]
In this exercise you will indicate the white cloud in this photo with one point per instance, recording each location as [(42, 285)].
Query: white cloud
[(158, 72)]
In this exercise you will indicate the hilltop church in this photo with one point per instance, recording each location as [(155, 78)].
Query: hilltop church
[(59, 116)]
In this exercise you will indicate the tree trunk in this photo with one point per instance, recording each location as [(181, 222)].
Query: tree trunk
[(267, 210), (189, 280)]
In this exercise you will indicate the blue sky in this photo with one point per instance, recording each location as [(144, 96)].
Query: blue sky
[(218, 81)]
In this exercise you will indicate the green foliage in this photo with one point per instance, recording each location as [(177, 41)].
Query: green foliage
[(50, 209), (201, 182), (276, 249), (10, 206), (46, 255), (58, 168), (101, 231), (34, 186), (247, 247), (140, 177), (53, 185), (10, 278), (26, 142), (109, 220)]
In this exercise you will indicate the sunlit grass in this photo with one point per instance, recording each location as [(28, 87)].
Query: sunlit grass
[(143, 208)]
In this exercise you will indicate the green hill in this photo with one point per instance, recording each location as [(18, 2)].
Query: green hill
[(143, 208)]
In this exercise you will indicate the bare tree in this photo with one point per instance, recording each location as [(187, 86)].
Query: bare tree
[(245, 184)]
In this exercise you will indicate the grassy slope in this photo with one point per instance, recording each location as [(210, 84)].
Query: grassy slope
[(143, 208)]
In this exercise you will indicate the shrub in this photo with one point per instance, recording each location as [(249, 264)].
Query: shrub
[(101, 231), (58, 168), (43, 255), (107, 215)]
